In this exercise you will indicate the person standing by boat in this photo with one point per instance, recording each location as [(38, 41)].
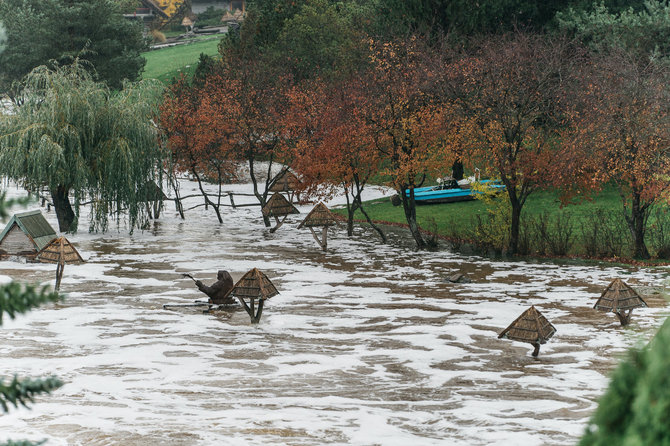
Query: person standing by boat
[(218, 292)]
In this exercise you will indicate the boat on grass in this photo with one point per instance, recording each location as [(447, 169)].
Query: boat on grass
[(451, 191)]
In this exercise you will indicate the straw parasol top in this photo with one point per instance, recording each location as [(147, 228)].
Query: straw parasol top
[(227, 17), (278, 206), (286, 182), (59, 250), (254, 285), (319, 216), (619, 296), (531, 327), (186, 22)]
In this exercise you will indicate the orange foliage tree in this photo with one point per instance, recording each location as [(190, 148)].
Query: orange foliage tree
[(620, 134), (506, 91), (333, 144), (405, 119), (196, 145)]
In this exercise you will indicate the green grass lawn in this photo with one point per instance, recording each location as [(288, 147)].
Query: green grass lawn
[(457, 220), (168, 63)]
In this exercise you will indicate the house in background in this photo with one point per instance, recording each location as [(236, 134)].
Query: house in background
[(26, 234)]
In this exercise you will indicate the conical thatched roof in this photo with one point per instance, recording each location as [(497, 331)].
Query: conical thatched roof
[(186, 22), (278, 206), (319, 216), (254, 285), (531, 327), (286, 182), (619, 296), (227, 17), (59, 248)]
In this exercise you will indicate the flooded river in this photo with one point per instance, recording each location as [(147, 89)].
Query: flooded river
[(366, 344)]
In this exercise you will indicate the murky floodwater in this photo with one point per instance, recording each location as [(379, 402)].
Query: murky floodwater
[(365, 345)]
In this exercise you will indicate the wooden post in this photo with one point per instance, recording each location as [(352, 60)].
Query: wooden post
[(324, 238), (623, 317), (232, 201), (257, 318), (59, 273), (279, 223), (537, 349)]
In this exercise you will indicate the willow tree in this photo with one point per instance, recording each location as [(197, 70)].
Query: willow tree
[(84, 142)]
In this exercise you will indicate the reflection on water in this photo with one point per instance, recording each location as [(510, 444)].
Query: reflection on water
[(366, 344)]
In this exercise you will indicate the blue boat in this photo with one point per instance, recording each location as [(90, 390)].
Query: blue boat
[(449, 193)]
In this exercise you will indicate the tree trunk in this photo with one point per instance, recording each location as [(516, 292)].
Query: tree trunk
[(259, 197), (204, 194), (66, 218), (409, 206), (514, 228), (637, 226)]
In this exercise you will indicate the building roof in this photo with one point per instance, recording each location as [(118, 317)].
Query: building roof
[(319, 216), (34, 225), (254, 285), (59, 250), (531, 327), (619, 296)]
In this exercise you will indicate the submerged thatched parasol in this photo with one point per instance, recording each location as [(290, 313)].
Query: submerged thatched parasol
[(59, 251), (319, 216), (254, 285), (531, 327), (278, 206), (618, 298), (285, 182)]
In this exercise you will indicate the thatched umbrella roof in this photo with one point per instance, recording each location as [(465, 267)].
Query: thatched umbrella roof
[(319, 216), (278, 206), (254, 285), (531, 327), (619, 296), (59, 249), (186, 21), (228, 17), (286, 182)]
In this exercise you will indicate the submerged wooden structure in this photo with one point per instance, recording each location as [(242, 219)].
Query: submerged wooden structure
[(26, 234), (59, 251), (253, 286), (276, 207), (620, 299), (286, 182), (531, 327), (320, 216)]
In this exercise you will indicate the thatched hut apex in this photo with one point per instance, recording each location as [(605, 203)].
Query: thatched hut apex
[(26, 234), (619, 298), (531, 327), (279, 206), (59, 250), (254, 285), (319, 216), (285, 182)]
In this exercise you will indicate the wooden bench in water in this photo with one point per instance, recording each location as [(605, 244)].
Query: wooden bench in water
[(207, 307)]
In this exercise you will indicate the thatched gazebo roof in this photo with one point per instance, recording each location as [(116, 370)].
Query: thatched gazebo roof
[(531, 327), (618, 297), (319, 216), (278, 206), (59, 250), (285, 182), (254, 285), (228, 17), (186, 21)]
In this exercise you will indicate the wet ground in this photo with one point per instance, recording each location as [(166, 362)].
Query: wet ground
[(367, 344)]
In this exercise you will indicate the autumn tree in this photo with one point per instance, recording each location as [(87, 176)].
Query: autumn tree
[(507, 92), (620, 134), (406, 120), (333, 144), (196, 146), (75, 136)]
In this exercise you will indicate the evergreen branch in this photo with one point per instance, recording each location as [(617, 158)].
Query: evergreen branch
[(21, 391), (16, 299)]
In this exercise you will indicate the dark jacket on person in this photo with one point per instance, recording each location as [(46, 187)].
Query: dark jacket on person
[(218, 291)]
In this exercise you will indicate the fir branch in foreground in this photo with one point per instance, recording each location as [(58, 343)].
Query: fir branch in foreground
[(16, 299), (21, 391)]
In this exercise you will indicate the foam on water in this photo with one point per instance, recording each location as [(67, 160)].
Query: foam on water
[(366, 344)]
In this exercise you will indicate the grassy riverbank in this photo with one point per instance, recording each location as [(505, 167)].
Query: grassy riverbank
[(167, 63), (593, 227)]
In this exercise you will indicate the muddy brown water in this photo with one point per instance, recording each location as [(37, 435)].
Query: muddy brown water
[(366, 344)]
